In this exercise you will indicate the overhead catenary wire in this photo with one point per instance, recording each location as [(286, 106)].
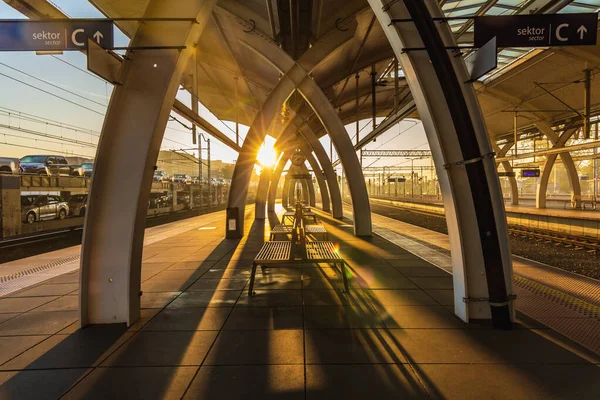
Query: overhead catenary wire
[(52, 84), (51, 94)]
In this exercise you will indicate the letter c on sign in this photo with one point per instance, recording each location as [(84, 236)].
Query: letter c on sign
[(558, 36), (74, 37)]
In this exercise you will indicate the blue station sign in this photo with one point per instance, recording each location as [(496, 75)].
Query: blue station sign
[(31, 35), (537, 30)]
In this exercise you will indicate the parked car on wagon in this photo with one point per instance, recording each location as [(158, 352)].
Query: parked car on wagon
[(182, 178), (9, 165), (46, 165), (43, 207), (84, 170), (161, 176), (77, 205)]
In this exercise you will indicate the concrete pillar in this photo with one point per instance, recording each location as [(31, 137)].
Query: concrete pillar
[(135, 122)]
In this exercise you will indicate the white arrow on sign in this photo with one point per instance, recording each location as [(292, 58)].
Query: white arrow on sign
[(582, 30), (98, 36)]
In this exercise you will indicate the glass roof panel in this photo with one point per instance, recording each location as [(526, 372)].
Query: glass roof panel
[(471, 8)]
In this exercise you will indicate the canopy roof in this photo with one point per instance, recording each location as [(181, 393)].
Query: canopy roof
[(234, 81)]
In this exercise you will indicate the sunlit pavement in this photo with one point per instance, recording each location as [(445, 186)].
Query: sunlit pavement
[(201, 336)]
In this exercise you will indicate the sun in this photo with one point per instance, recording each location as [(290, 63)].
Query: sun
[(266, 156)]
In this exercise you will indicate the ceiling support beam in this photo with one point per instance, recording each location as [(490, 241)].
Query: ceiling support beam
[(196, 119)]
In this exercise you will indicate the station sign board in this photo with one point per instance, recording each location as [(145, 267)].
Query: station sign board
[(530, 173), (537, 30), (47, 35), (505, 173)]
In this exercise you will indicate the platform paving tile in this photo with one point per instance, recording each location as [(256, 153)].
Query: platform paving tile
[(188, 319), (163, 349), (513, 381), (38, 385), (201, 336), (157, 300), (428, 317), (47, 289), (64, 303), (444, 297), (271, 298), (38, 323), (265, 318), (324, 317), (12, 346), (422, 271), (23, 304), (206, 298), (370, 381), (249, 382), (218, 284), (352, 346), (167, 383), (80, 349), (257, 347), (434, 282)]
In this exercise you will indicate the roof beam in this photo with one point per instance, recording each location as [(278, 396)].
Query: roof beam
[(197, 120)]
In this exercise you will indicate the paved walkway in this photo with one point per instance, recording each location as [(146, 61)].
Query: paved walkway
[(201, 336)]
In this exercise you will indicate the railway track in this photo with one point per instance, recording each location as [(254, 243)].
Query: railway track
[(574, 242)]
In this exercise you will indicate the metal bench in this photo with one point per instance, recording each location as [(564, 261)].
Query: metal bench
[(325, 252), (314, 230), (289, 216), (310, 216), (280, 229), (271, 253)]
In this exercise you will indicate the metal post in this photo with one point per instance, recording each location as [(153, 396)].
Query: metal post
[(208, 172), (194, 94), (237, 119), (396, 99), (515, 135), (357, 77), (586, 103), (200, 178), (373, 98), (412, 178)]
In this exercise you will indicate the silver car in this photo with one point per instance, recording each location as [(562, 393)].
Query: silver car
[(42, 207)]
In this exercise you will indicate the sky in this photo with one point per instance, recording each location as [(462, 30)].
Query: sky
[(51, 104)]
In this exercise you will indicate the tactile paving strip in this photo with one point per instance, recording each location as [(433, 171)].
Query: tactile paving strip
[(40, 268)]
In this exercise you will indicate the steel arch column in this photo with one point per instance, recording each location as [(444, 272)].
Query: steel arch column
[(134, 125), (275, 178), (514, 189), (448, 107), (325, 206), (573, 176), (296, 77), (330, 177), (261, 193)]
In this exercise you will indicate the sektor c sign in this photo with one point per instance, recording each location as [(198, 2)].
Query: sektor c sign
[(26, 35)]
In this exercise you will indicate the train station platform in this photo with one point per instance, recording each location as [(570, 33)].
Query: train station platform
[(201, 336)]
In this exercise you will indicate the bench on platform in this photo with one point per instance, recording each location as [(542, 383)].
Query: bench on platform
[(314, 230), (279, 252), (280, 229)]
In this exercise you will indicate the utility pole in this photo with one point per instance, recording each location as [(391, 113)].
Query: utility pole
[(209, 182), (373, 94), (200, 169), (356, 106), (237, 106), (396, 99), (586, 102)]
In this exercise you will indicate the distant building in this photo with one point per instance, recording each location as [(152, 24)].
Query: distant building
[(181, 163)]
